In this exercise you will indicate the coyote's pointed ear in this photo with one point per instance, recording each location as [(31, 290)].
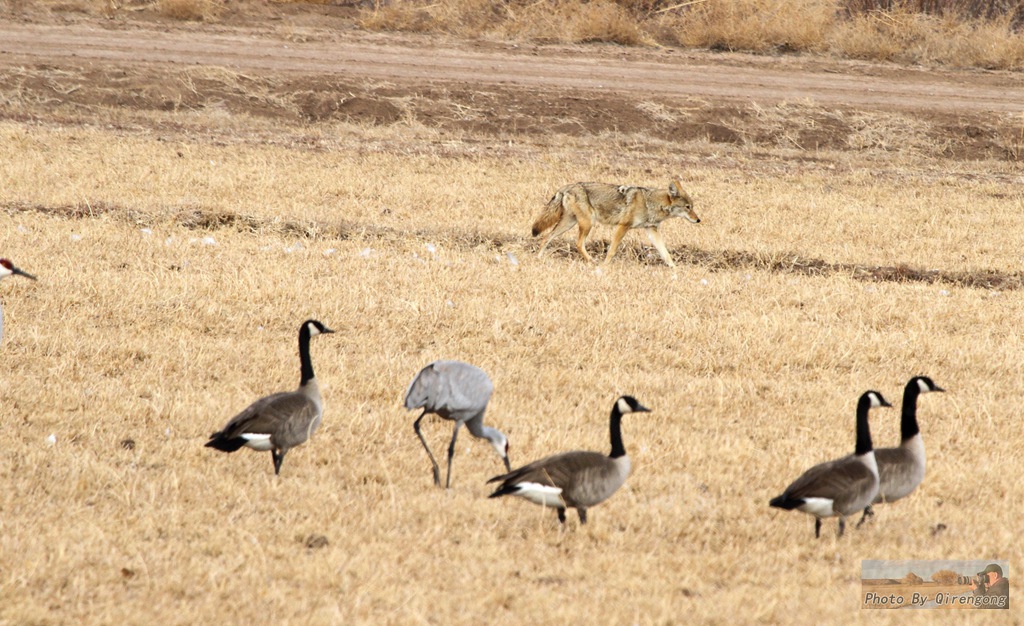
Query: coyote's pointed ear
[(675, 189)]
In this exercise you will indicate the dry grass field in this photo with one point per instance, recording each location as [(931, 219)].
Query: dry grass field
[(960, 33), (177, 252)]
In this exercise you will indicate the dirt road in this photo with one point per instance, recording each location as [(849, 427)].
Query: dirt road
[(594, 69)]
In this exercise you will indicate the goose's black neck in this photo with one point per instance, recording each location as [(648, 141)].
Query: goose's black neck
[(863, 430), (908, 421), (307, 363), (618, 450)]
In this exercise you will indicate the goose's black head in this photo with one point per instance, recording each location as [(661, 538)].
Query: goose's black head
[(873, 399), (923, 384), (629, 404), (314, 328)]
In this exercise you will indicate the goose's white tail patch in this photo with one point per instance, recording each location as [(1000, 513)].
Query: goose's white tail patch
[(818, 507), (258, 441), (544, 495)]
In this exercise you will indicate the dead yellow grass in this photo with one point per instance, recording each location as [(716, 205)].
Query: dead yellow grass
[(564, 21), (197, 10), (757, 25), (908, 37), (898, 33), (150, 326)]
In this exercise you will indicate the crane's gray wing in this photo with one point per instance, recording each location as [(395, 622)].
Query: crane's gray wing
[(450, 389)]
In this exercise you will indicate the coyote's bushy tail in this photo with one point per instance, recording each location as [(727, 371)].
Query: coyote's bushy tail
[(551, 215)]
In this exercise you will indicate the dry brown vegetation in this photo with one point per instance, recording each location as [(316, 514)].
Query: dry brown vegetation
[(178, 246), (956, 33), (190, 9), (945, 577), (155, 337)]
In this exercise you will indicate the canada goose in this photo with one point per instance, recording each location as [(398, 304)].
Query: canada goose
[(840, 487), (7, 269), (280, 421), (577, 479), (901, 470), (459, 392)]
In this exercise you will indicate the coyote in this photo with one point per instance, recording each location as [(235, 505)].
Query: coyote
[(622, 206)]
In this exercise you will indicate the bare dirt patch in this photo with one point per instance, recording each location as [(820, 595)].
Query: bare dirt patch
[(44, 90), (486, 88)]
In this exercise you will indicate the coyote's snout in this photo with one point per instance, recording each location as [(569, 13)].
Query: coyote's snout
[(622, 206)]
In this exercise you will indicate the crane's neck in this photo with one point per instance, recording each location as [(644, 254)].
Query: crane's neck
[(496, 438), (476, 427)]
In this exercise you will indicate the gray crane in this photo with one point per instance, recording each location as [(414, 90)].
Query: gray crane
[(459, 392), (8, 269)]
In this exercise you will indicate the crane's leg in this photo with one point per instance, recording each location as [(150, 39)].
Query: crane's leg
[(842, 526), (817, 527), (278, 458), (868, 512), (437, 470), (451, 454), (561, 515), (583, 514)]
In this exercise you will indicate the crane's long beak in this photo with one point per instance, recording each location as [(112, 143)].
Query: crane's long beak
[(22, 273), (508, 466)]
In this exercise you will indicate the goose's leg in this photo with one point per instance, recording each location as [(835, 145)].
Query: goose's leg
[(868, 512)]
